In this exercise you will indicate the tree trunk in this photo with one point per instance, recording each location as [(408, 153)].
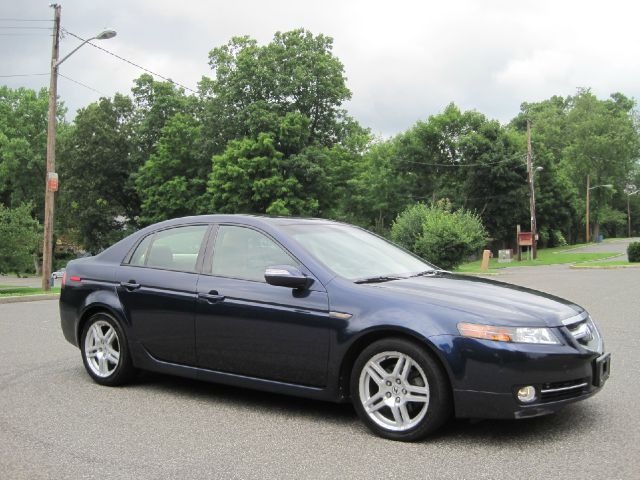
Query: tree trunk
[(36, 264), (596, 231)]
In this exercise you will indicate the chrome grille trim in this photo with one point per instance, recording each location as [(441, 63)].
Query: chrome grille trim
[(562, 389), (575, 319)]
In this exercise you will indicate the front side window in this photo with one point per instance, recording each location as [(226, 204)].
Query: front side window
[(172, 249), (244, 253)]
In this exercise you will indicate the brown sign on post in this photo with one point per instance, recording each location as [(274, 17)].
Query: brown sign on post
[(525, 239)]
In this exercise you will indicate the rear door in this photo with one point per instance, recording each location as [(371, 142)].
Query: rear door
[(248, 327), (157, 288)]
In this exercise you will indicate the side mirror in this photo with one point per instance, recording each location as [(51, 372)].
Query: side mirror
[(286, 276)]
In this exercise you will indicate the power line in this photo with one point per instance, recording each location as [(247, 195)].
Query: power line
[(13, 27), (23, 75), (5, 19), (488, 164), (131, 63), (82, 84), (26, 35)]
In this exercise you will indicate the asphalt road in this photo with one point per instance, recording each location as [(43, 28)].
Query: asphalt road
[(56, 423)]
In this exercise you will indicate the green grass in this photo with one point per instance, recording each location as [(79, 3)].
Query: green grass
[(14, 291), (546, 256)]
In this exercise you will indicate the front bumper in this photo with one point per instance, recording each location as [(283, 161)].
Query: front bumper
[(485, 376)]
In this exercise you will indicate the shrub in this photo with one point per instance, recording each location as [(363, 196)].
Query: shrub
[(558, 239), (633, 251), (439, 234)]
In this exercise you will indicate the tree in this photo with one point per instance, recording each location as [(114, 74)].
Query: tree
[(20, 234), (173, 180), (438, 233), (97, 201), (255, 85), (23, 146), (249, 177)]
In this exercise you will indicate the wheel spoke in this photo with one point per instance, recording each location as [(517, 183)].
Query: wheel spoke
[(417, 394), (406, 368), (397, 416), (376, 372), (404, 414), (110, 336), (376, 402), (102, 365), (113, 356), (96, 333), (399, 365)]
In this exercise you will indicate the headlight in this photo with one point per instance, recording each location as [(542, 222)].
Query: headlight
[(508, 334)]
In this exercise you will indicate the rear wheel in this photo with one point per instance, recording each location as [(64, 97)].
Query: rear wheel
[(105, 352), (399, 390)]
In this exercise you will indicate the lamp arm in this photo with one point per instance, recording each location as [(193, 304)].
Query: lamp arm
[(73, 51)]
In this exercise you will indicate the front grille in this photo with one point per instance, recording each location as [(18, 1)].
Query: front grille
[(553, 392), (584, 331)]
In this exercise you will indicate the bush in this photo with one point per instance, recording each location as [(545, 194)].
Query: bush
[(633, 251), (439, 234)]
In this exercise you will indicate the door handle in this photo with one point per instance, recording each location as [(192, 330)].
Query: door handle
[(211, 297), (130, 285)]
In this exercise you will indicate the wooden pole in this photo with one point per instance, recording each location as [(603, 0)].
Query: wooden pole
[(587, 220), (532, 193), (47, 248)]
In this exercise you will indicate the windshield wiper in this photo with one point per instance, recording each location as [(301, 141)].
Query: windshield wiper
[(380, 279), (426, 273)]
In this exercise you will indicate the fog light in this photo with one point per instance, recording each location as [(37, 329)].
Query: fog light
[(527, 394)]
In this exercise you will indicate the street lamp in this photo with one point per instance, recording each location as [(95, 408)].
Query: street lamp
[(630, 190), (608, 185), (51, 181)]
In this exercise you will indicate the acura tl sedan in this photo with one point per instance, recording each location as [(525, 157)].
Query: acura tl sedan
[(329, 311)]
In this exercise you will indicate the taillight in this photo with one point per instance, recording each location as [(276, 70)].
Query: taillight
[(74, 279), (64, 279)]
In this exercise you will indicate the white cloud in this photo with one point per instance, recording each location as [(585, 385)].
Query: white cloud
[(404, 60)]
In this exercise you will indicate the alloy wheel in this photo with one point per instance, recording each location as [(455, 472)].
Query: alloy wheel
[(102, 348), (394, 391)]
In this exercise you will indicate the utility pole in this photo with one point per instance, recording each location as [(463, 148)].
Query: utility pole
[(47, 248), (587, 220), (630, 190), (532, 194)]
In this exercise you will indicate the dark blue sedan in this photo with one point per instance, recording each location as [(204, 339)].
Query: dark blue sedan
[(326, 310)]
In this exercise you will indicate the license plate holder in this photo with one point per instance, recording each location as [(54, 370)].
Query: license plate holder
[(601, 369)]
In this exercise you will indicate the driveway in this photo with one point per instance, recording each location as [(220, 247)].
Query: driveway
[(618, 245), (56, 423)]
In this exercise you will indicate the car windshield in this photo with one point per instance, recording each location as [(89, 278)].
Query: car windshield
[(356, 254)]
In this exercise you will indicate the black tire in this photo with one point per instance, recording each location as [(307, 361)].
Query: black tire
[(425, 421), (115, 373)]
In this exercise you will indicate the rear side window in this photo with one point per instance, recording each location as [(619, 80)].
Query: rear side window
[(173, 249), (244, 253), (139, 257)]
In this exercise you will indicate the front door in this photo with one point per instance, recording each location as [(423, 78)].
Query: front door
[(248, 327)]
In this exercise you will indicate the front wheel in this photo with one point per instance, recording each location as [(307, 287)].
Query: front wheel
[(105, 352), (399, 391)]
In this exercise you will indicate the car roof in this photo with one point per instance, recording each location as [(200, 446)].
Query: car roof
[(246, 219)]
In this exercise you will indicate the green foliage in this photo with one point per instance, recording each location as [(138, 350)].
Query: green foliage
[(172, 180), (295, 72), (439, 234), (23, 146), (249, 177), (97, 201), (19, 232), (633, 251)]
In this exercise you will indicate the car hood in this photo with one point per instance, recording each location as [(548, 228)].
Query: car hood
[(486, 301)]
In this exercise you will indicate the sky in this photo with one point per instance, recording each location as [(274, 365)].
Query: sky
[(404, 60)]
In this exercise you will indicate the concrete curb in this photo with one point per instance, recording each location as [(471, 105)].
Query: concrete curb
[(29, 298), (602, 267)]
